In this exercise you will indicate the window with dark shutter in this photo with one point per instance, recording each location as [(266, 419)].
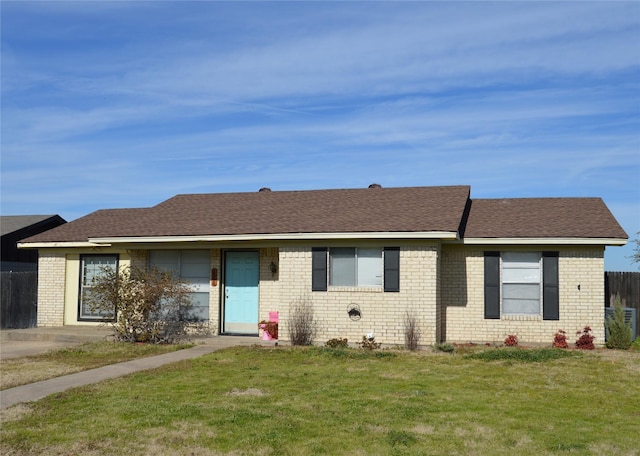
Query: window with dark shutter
[(319, 269), (491, 285), (392, 269), (550, 295)]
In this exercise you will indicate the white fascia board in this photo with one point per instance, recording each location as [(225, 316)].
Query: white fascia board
[(448, 235), (57, 245), (548, 241)]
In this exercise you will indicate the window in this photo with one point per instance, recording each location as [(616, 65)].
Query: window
[(91, 266), (192, 266), (355, 267), (521, 283)]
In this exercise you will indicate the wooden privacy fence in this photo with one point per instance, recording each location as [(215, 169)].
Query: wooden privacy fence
[(19, 300), (625, 284)]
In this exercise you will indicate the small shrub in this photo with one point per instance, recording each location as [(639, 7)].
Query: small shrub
[(337, 343), (146, 305), (511, 340), (444, 347), (302, 324), (560, 339), (585, 341), (411, 332), (618, 330), (369, 343)]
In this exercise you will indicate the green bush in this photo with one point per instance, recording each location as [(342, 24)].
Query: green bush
[(618, 330), (444, 347)]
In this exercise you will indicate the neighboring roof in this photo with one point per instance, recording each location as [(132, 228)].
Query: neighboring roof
[(379, 210), (12, 223), (542, 218)]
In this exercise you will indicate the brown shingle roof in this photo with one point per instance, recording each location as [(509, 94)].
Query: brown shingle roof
[(542, 218), (400, 210), (409, 209)]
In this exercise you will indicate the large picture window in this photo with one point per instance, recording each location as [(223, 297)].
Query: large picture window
[(91, 266), (192, 266)]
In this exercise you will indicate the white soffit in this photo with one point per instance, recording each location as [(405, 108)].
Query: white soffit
[(53, 245), (448, 235), (542, 241)]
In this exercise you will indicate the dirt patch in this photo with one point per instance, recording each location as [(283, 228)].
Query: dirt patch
[(15, 413)]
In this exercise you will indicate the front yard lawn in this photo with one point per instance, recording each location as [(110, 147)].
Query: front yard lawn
[(30, 369), (309, 401)]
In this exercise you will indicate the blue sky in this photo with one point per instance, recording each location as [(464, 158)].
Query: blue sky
[(125, 104)]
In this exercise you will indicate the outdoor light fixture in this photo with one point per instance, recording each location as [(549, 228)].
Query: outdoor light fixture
[(354, 312), (273, 268)]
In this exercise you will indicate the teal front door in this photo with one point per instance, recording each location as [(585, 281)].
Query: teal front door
[(241, 293)]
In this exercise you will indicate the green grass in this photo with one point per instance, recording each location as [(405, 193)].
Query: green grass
[(293, 401), (30, 369), (523, 355)]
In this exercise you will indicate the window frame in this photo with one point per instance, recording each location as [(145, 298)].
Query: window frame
[(389, 280), (510, 283), (359, 265), (548, 283), (83, 286)]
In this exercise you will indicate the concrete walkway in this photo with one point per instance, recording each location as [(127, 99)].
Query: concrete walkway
[(39, 390)]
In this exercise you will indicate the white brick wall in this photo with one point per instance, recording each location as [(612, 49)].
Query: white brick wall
[(51, 288), (382, 313), (463, 298), (444, 289)]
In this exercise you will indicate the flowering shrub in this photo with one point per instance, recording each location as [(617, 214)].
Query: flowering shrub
[(511, 340), (560, 339), (585, 341)]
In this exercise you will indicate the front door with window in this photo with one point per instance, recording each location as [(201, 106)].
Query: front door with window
[(240, 313)]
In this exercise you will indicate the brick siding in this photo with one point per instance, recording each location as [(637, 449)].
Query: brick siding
[(443, 287), (382, 313), (463, 298), (51, 288)]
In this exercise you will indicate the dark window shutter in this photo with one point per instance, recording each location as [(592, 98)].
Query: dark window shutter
[(491, 285), (392, 269), (319, 269), (550, 295)]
